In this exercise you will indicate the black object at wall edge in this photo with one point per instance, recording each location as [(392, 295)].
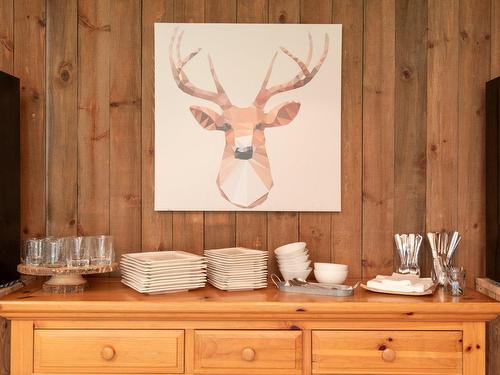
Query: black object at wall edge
[(10, 178), (492, 179)]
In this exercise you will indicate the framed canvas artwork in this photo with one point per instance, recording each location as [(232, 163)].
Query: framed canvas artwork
[(247, 117)]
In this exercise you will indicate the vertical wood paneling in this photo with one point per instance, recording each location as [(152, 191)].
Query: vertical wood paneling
[(252, 11), (188, 227), (282, 227), (220, 226), (442, 115), (474, 71), (346, 225), (62, 117), (410, 120), (251, 227), (156, 226), (29, 66), (406, 108), (495, 39), (316, 11), (94, 40), (315, 228), (7, 36), (378, 136), (125, 125)]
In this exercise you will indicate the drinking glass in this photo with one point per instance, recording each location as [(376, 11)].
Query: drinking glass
[(32, 252), (102, 254), (78, 251), (455, 277), (53, 252)]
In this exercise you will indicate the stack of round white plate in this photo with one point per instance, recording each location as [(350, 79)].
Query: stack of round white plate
[(237, 268), (163, 271)]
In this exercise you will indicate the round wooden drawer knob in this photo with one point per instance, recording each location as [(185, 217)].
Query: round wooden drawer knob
[(108, 353), (248, 354), (388, 355)]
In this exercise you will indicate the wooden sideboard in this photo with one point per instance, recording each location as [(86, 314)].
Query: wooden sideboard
[(111, 329)]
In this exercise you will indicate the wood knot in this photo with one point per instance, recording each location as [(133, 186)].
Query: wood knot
[(282, 18), (407, 73), (433, 147), (382, 347), (468, 349), (42, 22), (35, 95), (430, 45), (464, 35), (478, 346), (72, 222), (295, 328), (389, 339), (409, 313), (300, 309), (65, 75), (487, 37), (8, 44), (131, 198)]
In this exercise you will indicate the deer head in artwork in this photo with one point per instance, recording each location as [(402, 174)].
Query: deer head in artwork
[(244, 177)]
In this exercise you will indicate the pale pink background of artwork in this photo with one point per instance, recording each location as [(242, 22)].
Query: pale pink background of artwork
[(304, 155)]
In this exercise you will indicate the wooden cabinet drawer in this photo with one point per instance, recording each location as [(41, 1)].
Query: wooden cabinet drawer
[(240, 352), (109, 351), (387, 352)]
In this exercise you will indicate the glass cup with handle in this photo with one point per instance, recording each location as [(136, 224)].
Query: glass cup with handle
[(102, 254), (54, 254), (78, 250)]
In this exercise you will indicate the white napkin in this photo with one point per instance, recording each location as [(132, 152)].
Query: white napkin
[(400, 283)]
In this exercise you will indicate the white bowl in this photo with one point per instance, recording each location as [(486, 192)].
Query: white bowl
[(330, 267), (289, 275), (330, 277), (294, 260), (291, 255), (295, 266), (290, 248)]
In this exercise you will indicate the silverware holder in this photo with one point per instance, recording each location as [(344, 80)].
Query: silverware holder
[(408, 247), (443, 246)]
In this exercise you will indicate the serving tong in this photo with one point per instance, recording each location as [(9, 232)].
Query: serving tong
[(443, 246)]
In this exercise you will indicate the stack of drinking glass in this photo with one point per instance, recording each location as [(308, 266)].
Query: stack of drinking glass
[(237, 268), (71, 252), (163, 271)]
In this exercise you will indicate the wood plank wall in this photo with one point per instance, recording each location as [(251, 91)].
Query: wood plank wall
[(412, 124)]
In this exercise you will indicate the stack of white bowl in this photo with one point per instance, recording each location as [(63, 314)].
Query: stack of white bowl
[(293, 261), (330, 273)]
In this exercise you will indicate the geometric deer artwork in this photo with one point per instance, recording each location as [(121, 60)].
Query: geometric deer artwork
[(244, 178)]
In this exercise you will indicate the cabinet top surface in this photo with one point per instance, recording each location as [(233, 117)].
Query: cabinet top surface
[(109, 297)]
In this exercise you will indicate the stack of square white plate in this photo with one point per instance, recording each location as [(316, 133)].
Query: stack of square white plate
[(163, 271), (237, 268)]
